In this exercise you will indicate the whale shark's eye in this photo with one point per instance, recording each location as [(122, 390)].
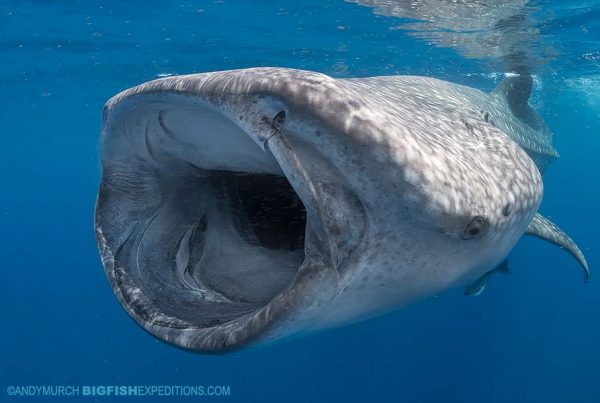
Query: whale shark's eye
[(476, 226), (507, 210)]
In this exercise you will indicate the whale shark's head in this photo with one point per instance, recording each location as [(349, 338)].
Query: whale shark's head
[(249, 204), (468, 190), (475, 184)]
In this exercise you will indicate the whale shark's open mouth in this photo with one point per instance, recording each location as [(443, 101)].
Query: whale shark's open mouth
[(217, 236), (202, 225), (219, 225)]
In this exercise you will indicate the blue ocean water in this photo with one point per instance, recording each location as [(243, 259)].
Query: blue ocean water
[(532, 336)]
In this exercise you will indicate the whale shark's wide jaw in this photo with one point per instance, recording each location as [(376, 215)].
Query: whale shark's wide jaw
[(199, 225)]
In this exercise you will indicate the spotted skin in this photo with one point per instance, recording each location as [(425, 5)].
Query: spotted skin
[(412, 185)]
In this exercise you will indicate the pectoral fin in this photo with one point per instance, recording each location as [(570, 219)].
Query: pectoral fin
[(476, 288), (543, 228)]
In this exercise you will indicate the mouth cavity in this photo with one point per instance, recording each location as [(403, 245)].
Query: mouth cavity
[(204, 239), (197, 243)]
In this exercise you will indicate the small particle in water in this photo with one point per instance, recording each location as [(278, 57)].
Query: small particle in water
[(164, 74)]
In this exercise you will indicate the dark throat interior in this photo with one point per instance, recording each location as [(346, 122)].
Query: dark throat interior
[(268, 210)]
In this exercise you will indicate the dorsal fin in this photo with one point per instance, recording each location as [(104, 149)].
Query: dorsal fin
[(516, 89), (545, 229)]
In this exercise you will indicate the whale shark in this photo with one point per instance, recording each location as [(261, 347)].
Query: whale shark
[(246, 206)]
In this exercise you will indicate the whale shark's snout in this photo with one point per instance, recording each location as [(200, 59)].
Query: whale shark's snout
[(248, 205)]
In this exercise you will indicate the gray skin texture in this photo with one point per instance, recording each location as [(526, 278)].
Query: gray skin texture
[(410, 186)]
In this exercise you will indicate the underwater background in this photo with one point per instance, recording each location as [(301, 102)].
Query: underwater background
[(532, 336)]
